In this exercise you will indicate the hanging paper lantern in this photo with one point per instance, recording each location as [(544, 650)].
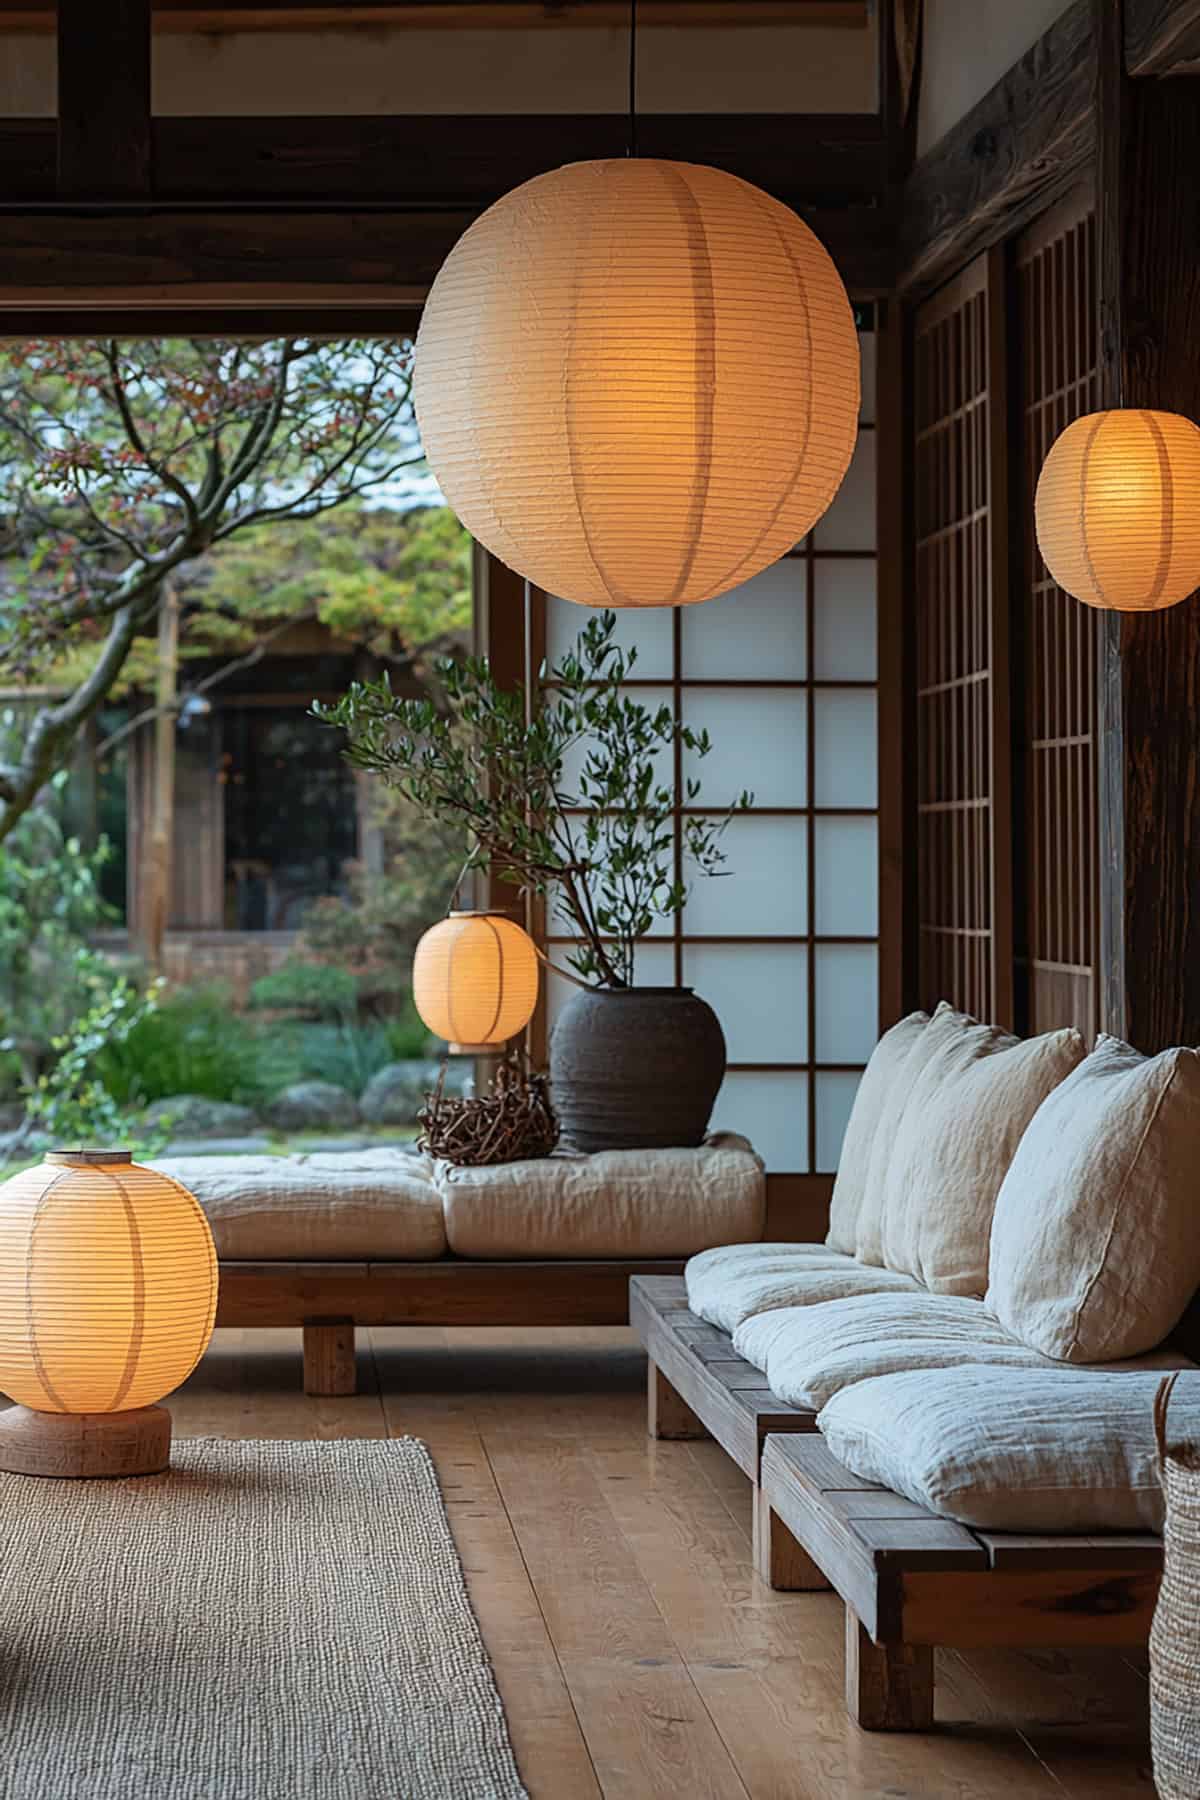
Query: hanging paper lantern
[(637, 381), (108, 1292), (475, 980), (1118, 510)]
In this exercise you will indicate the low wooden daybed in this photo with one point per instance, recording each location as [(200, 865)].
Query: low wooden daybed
[(910, 1580), (328, 1300)]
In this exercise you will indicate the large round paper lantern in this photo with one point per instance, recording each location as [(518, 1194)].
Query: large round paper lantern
[(637, 381), (108, 1292), (1118, 510), (475, 980)]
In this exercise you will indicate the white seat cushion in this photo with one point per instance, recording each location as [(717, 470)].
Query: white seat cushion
[(1095, 1249), (618, 1203), (1047, 1450), (809, 1353), (730, 1285), (854, 1163), (976, 1092), (327, 1206)]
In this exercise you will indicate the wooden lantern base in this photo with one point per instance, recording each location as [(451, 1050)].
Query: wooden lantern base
[(85, 1445)]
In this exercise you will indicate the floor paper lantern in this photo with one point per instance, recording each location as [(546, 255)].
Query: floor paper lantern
[(108, 1293), (1118, 510), (637, 381), (475, 980)]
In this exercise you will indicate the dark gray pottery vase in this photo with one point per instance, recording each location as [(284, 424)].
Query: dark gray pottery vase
[(635, 1068)]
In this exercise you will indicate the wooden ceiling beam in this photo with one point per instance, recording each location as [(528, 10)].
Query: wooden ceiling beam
[(1162, 37), (103, 124), (1013, 155), (287, 15)]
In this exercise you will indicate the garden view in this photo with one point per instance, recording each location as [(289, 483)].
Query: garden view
[(206, 920)]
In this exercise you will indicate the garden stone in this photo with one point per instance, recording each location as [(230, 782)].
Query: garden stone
[(312, 1106), (192, 1116), (234, 1146), (396, 1094)]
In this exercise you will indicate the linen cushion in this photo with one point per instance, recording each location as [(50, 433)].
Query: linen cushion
[(868, 1231), (809, 1353), (617, 1203), (729, 1285), (322, 1207), (977, 1090), (1055, 1450), (855, 1160), (1095, 1247)]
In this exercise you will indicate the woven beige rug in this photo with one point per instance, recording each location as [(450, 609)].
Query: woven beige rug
[(267, 1621)]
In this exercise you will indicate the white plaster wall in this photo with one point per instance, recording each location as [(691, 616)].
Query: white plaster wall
[(969, 44), (543, 69)]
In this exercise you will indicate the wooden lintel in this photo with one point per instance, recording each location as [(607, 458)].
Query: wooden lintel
[(256, 259), (309, 15), (103, 122), (1162, 37), (1008, 159)]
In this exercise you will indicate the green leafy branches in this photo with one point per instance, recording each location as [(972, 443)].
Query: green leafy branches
[(574, 799)]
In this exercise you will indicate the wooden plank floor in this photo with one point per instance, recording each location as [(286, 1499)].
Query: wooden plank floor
[(637, 1653)]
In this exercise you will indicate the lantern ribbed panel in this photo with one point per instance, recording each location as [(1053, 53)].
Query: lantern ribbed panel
[(108, 1287), (475, 979), (637, 381), (1118, 510)]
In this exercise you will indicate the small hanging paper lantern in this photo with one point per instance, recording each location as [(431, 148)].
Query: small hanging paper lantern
[(1118, 510), (637, 381), (108, 1292), (475, 980)]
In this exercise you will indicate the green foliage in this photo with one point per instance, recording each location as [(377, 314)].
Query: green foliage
[(600, 840), (73, 1104), (194, 1043), (300, 986), (407, 1034), (346, 1055), (49, 903)]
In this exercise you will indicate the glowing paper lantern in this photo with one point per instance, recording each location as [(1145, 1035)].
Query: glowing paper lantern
[(638, 381), (1118, 510), (475, 980), (108, 1292)]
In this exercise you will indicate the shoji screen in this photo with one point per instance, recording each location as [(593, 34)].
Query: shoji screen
[(1055, 735), (782, 672), (964, 892)]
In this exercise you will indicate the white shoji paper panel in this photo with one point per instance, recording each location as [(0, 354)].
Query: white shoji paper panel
[(846, 980), (766, 895), (846, 876), (759, 745), (756, 632), (845, 751), (844, 635), (772, 1111), (760, 994), (850, 522), (649, 629), (835, 1097)]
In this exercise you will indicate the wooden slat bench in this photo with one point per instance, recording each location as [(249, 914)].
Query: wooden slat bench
[(910, 1580), (329, 1299)]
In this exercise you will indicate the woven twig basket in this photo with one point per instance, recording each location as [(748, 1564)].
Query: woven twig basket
[(1175, 1633)]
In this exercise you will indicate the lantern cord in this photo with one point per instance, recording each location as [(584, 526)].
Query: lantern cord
[(633, 145)]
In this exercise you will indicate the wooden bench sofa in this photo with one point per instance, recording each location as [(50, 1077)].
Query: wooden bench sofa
[(910, 1580)]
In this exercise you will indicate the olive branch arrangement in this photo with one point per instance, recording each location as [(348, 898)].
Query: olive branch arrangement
[(564, 799)]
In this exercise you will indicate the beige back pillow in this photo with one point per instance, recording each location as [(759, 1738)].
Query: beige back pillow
[(1096, 1237), (868, 1229), (965, 1115), (855, 1160)]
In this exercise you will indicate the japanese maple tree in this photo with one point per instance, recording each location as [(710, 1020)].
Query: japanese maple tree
[(124, 462)]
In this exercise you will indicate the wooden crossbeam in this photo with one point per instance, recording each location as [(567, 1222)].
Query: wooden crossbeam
[(293, 15)]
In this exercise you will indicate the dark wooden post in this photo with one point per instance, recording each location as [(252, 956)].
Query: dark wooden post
[(1149, 719), (104, 100)]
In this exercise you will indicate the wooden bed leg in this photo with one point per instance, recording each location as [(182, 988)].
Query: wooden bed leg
[(889, 1687), (781, 1559), (668, 1414), (329, 1365)]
